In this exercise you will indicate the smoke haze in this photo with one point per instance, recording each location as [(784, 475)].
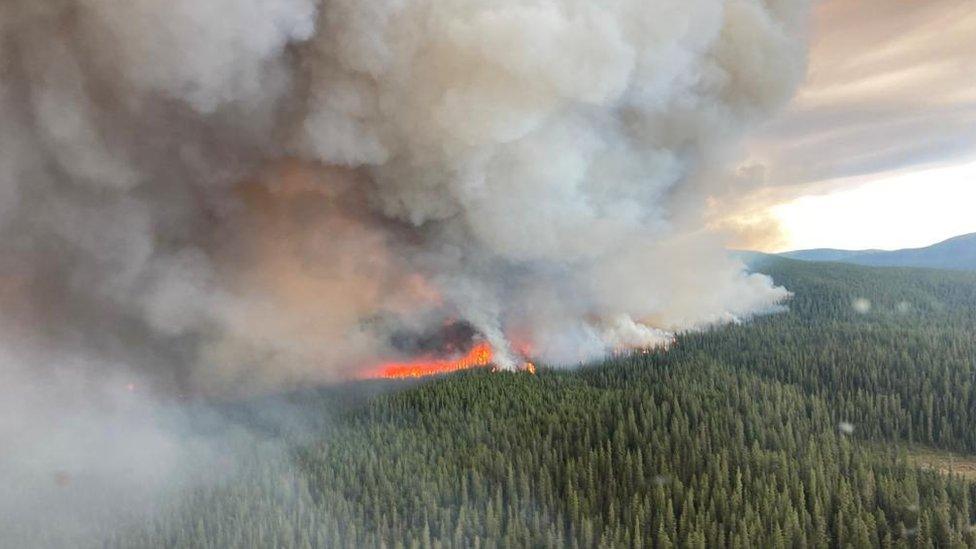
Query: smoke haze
[(227, 196), (239, 188)]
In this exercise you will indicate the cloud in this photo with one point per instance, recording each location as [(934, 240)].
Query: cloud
[(891, 86)]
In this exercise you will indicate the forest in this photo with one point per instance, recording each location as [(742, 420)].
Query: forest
[(794, 429)]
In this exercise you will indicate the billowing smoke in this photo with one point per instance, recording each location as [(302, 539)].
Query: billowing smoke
[(222, 196), (244, 193)]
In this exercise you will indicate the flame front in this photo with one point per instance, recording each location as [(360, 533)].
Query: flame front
[(479, 355)]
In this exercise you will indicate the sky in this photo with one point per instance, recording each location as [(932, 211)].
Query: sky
[(878, 148), (887, 211)]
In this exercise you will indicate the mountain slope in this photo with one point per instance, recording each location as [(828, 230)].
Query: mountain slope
[(956, 253)]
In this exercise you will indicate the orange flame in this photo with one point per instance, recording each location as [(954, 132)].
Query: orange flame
[(479, 355)]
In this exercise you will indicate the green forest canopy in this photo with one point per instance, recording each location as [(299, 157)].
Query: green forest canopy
[(790, 430)]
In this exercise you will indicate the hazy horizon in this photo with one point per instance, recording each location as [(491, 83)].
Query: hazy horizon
[(926, 245)]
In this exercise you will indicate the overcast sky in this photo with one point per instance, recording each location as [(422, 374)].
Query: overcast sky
[(881, 139)]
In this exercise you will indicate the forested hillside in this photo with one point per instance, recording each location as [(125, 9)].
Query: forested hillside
[(955, 253), (791, 430)]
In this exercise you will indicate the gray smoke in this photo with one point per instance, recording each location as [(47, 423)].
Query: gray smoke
[(232, 192), (222, 196)]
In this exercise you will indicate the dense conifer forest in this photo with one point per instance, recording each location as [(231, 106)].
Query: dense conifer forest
[(789, 430)]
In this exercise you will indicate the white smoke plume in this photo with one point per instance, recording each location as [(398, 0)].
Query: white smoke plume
[(253, 192)]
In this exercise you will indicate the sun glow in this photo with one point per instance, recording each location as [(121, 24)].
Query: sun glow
[(901, 210)]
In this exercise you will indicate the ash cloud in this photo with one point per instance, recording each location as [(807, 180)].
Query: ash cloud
[(238, 187), (224, 193), (230, 196)]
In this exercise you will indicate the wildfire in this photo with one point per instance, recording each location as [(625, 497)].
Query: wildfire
[(479, 355)]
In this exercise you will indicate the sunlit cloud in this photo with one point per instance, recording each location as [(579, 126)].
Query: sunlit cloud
[(910, 209), (891, 90)]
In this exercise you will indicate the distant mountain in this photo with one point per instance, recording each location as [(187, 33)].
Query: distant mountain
[(956, 253), (828, 254)]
